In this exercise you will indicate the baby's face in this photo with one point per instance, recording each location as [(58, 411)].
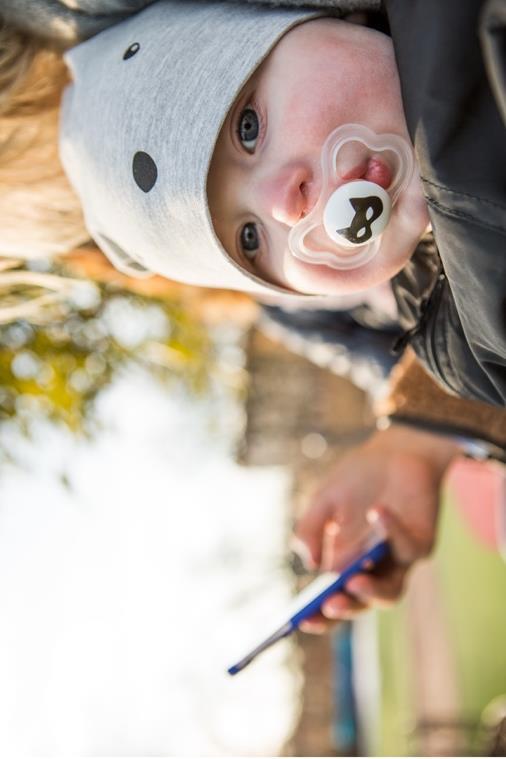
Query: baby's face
[(265, 174)]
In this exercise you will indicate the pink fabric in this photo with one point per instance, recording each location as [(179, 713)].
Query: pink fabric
[(479, 492)]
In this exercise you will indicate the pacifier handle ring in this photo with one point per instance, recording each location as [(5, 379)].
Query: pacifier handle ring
[(389, 142)]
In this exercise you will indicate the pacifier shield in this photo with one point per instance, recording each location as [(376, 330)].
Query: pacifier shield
[(356, 213), (344, 228)]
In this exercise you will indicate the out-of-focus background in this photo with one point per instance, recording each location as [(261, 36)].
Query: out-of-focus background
[(157, 443)]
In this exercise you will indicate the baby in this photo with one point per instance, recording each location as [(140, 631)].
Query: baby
[(194, 132), (200, 149)]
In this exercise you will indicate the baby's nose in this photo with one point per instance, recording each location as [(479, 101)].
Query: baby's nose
[(285, 194)]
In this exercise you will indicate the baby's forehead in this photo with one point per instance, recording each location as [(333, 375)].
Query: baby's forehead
[(247, 87), (227, 126)]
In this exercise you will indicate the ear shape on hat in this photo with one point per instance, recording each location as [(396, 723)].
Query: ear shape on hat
[(120, 258)]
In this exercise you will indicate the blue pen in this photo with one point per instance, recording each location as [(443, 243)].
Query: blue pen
[(314, 594)]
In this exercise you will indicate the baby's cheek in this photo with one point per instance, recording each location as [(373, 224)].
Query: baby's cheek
[(316, 279), (416, 204)]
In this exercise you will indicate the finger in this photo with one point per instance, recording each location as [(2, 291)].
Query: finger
[(378, 590), (316, 625), (298, 547), (331, 531), (342, 606), (310, 527), (404, 546)]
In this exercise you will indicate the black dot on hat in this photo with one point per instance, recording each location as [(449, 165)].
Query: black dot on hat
[(144, 171), (131, 51)]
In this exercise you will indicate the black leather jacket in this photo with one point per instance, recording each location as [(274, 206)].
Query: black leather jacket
[(454, 94)]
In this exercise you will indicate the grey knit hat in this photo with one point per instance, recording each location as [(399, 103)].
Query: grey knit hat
[(139, 125)]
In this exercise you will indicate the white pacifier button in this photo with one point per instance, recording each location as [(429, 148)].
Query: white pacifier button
[(356, 213)]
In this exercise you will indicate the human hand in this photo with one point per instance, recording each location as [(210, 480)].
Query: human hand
[(393, 479)]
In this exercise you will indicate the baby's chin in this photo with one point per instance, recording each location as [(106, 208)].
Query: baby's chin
[(319, 279)]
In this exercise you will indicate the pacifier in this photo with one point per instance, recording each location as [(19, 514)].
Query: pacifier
[(363, 176)]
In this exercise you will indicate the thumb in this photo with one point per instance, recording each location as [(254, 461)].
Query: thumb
[(404, 547), (309, 531)]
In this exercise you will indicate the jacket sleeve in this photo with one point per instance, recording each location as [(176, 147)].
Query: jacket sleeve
[(66, 22), (492, 34), (461, 154), (414, 398), (336, 340)]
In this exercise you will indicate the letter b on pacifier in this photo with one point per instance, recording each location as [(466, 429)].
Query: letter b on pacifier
[(356, 213)]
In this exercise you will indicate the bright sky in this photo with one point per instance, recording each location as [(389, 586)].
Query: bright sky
[(123, 599)]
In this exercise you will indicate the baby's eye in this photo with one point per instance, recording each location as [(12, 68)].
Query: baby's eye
[(248, 129), (250, 241)]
